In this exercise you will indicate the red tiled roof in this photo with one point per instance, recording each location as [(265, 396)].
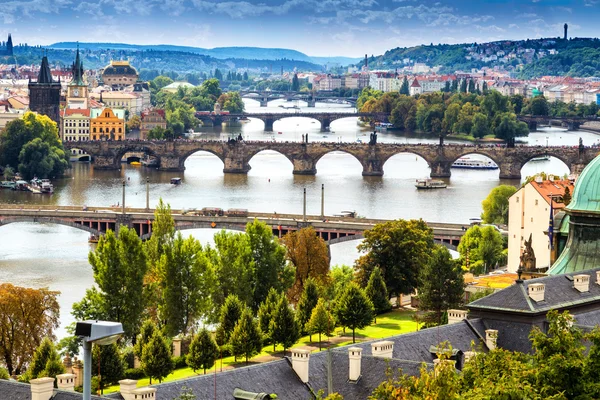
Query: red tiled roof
[(159, 111), (73, 111), (553, 188), (415, 84)]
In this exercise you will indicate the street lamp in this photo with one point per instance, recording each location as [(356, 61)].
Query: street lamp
[(123, 196), (546, 141), (101, 333)]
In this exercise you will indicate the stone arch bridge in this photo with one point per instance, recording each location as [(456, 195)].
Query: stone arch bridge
[(304, 157)]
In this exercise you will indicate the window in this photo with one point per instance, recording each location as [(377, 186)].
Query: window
[(531, 219), (517, 199), (536, 202)]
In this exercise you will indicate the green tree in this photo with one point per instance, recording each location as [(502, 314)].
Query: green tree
[(119, 266), (4, 374), (482, 247), (442, 284), (231, 312), (146, 332), (32, 145), (109, 361), (495, 205), (295, 83), (156, 358), (218, 74), (399, 248), (320, 321), (270, 270), (231, 102), (187, 284), (285, 329), (246, 339), (203, 351), (160, 82), (266, 312), (353, 309), (339, 277), (404, 88), (539, 105), (306, 304), (509, 128), (377, 293), (46, 361), (480, 126)]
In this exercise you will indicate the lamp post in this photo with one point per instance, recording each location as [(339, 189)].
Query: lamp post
[(123, 196), (546, 141), (322, 201), (304, 206), (99, 332), (147, 193)]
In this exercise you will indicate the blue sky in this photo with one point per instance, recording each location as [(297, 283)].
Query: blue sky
[(315, 27)]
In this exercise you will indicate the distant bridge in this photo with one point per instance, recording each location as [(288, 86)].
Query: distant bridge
[(97, 220), (571, 123), (311, 98), (269, 118), (304, 157)]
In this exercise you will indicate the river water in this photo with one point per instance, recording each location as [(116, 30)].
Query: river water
[(55, 256)]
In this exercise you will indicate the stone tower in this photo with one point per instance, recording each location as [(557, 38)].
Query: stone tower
[(9, 45), (44, 95), (566, 29)]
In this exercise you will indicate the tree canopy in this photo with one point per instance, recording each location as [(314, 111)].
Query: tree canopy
[(353, 309), (495, 205)]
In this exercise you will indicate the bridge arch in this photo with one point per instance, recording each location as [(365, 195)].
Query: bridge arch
[(146, 149), (80, 154), (479, 152), (422, 155), (251, 155), (46, 220), (188, 154), (336, 149)]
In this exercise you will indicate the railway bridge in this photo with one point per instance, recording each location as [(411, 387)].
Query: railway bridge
[(236, 155), (97, 220)]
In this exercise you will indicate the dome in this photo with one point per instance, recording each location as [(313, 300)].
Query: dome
[(119, 68), (586, 195)]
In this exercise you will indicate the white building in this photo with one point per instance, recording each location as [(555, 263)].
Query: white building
[(529, 215), (75, 125)]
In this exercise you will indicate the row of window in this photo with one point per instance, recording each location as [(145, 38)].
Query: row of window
[(80, 132), (76, 138), (107, 130), (79, 124)]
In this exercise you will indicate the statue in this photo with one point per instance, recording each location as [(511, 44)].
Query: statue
[(373, 139), (528, 256)]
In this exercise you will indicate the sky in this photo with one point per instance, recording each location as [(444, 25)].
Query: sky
[(315, 27)]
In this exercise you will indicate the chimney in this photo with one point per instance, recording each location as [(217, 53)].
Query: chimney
[(455, 316), (127, 387), (300, 359), (42, 388), (491, 338), (68, 364), (581, 282), (145, 393), (66, 382), (469, 355), (354, 354), (384, 349), (78, 371), (536, 291)]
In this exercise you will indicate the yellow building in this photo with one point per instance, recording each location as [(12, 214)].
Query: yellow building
[(107, 124)]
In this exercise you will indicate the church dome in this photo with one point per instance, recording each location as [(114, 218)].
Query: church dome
[(119, 68), (586, 195)]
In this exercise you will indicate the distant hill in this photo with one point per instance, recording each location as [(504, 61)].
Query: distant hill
[(525, 58), (250, 53), (157, 60)]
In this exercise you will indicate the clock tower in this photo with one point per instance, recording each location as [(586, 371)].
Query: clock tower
[(77, 90)]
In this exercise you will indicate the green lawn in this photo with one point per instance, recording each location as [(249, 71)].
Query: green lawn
[(392, 323)]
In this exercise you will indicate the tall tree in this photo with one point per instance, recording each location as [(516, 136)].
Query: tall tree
[(234, 267), (246, 339), (399, 248), (442, 285), (266, 312), (156, 358), (26, 317), (187, 284), (482, 247), (404, 88), (146, 333), (339, 277), (306, 304), (269, 262), (320, 321), (353, 309), (495, 205), (377, 293), (203, 351), (119, 266), (285, 329), (109, 362), (309, 255), (46, 361), (218, 74), (231, 312)]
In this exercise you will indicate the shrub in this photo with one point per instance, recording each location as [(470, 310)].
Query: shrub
[(179, 362), (134, 373)]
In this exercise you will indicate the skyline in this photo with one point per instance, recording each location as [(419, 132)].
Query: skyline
[(317, 28)]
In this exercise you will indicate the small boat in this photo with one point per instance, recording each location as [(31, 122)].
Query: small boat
[(135, 163), (93, 239), (46, 186), (467, 163), (430, 184), (21, 185), (7, 184), (175, 181), (280, 133), (383, 126), (540, 159)]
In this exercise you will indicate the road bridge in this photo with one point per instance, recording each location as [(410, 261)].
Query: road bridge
[(269, 118), (571, 123), (264, 96), (236, 155), (97, 220)]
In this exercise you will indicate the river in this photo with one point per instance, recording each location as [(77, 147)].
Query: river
[(55, 256)]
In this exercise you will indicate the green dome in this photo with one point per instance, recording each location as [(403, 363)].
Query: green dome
[(586, 195)]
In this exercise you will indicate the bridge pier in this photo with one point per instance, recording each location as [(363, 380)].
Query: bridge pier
[(325, 124), (235, 161), (269, 124), (576, 168), (264, 102), (171, 163), (510, 170), (532, 125), (311, 102), (440, 169), (106, 163), (304, 165)]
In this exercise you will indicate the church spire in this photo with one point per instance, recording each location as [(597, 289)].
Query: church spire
[(77, 70), (45, 75)]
